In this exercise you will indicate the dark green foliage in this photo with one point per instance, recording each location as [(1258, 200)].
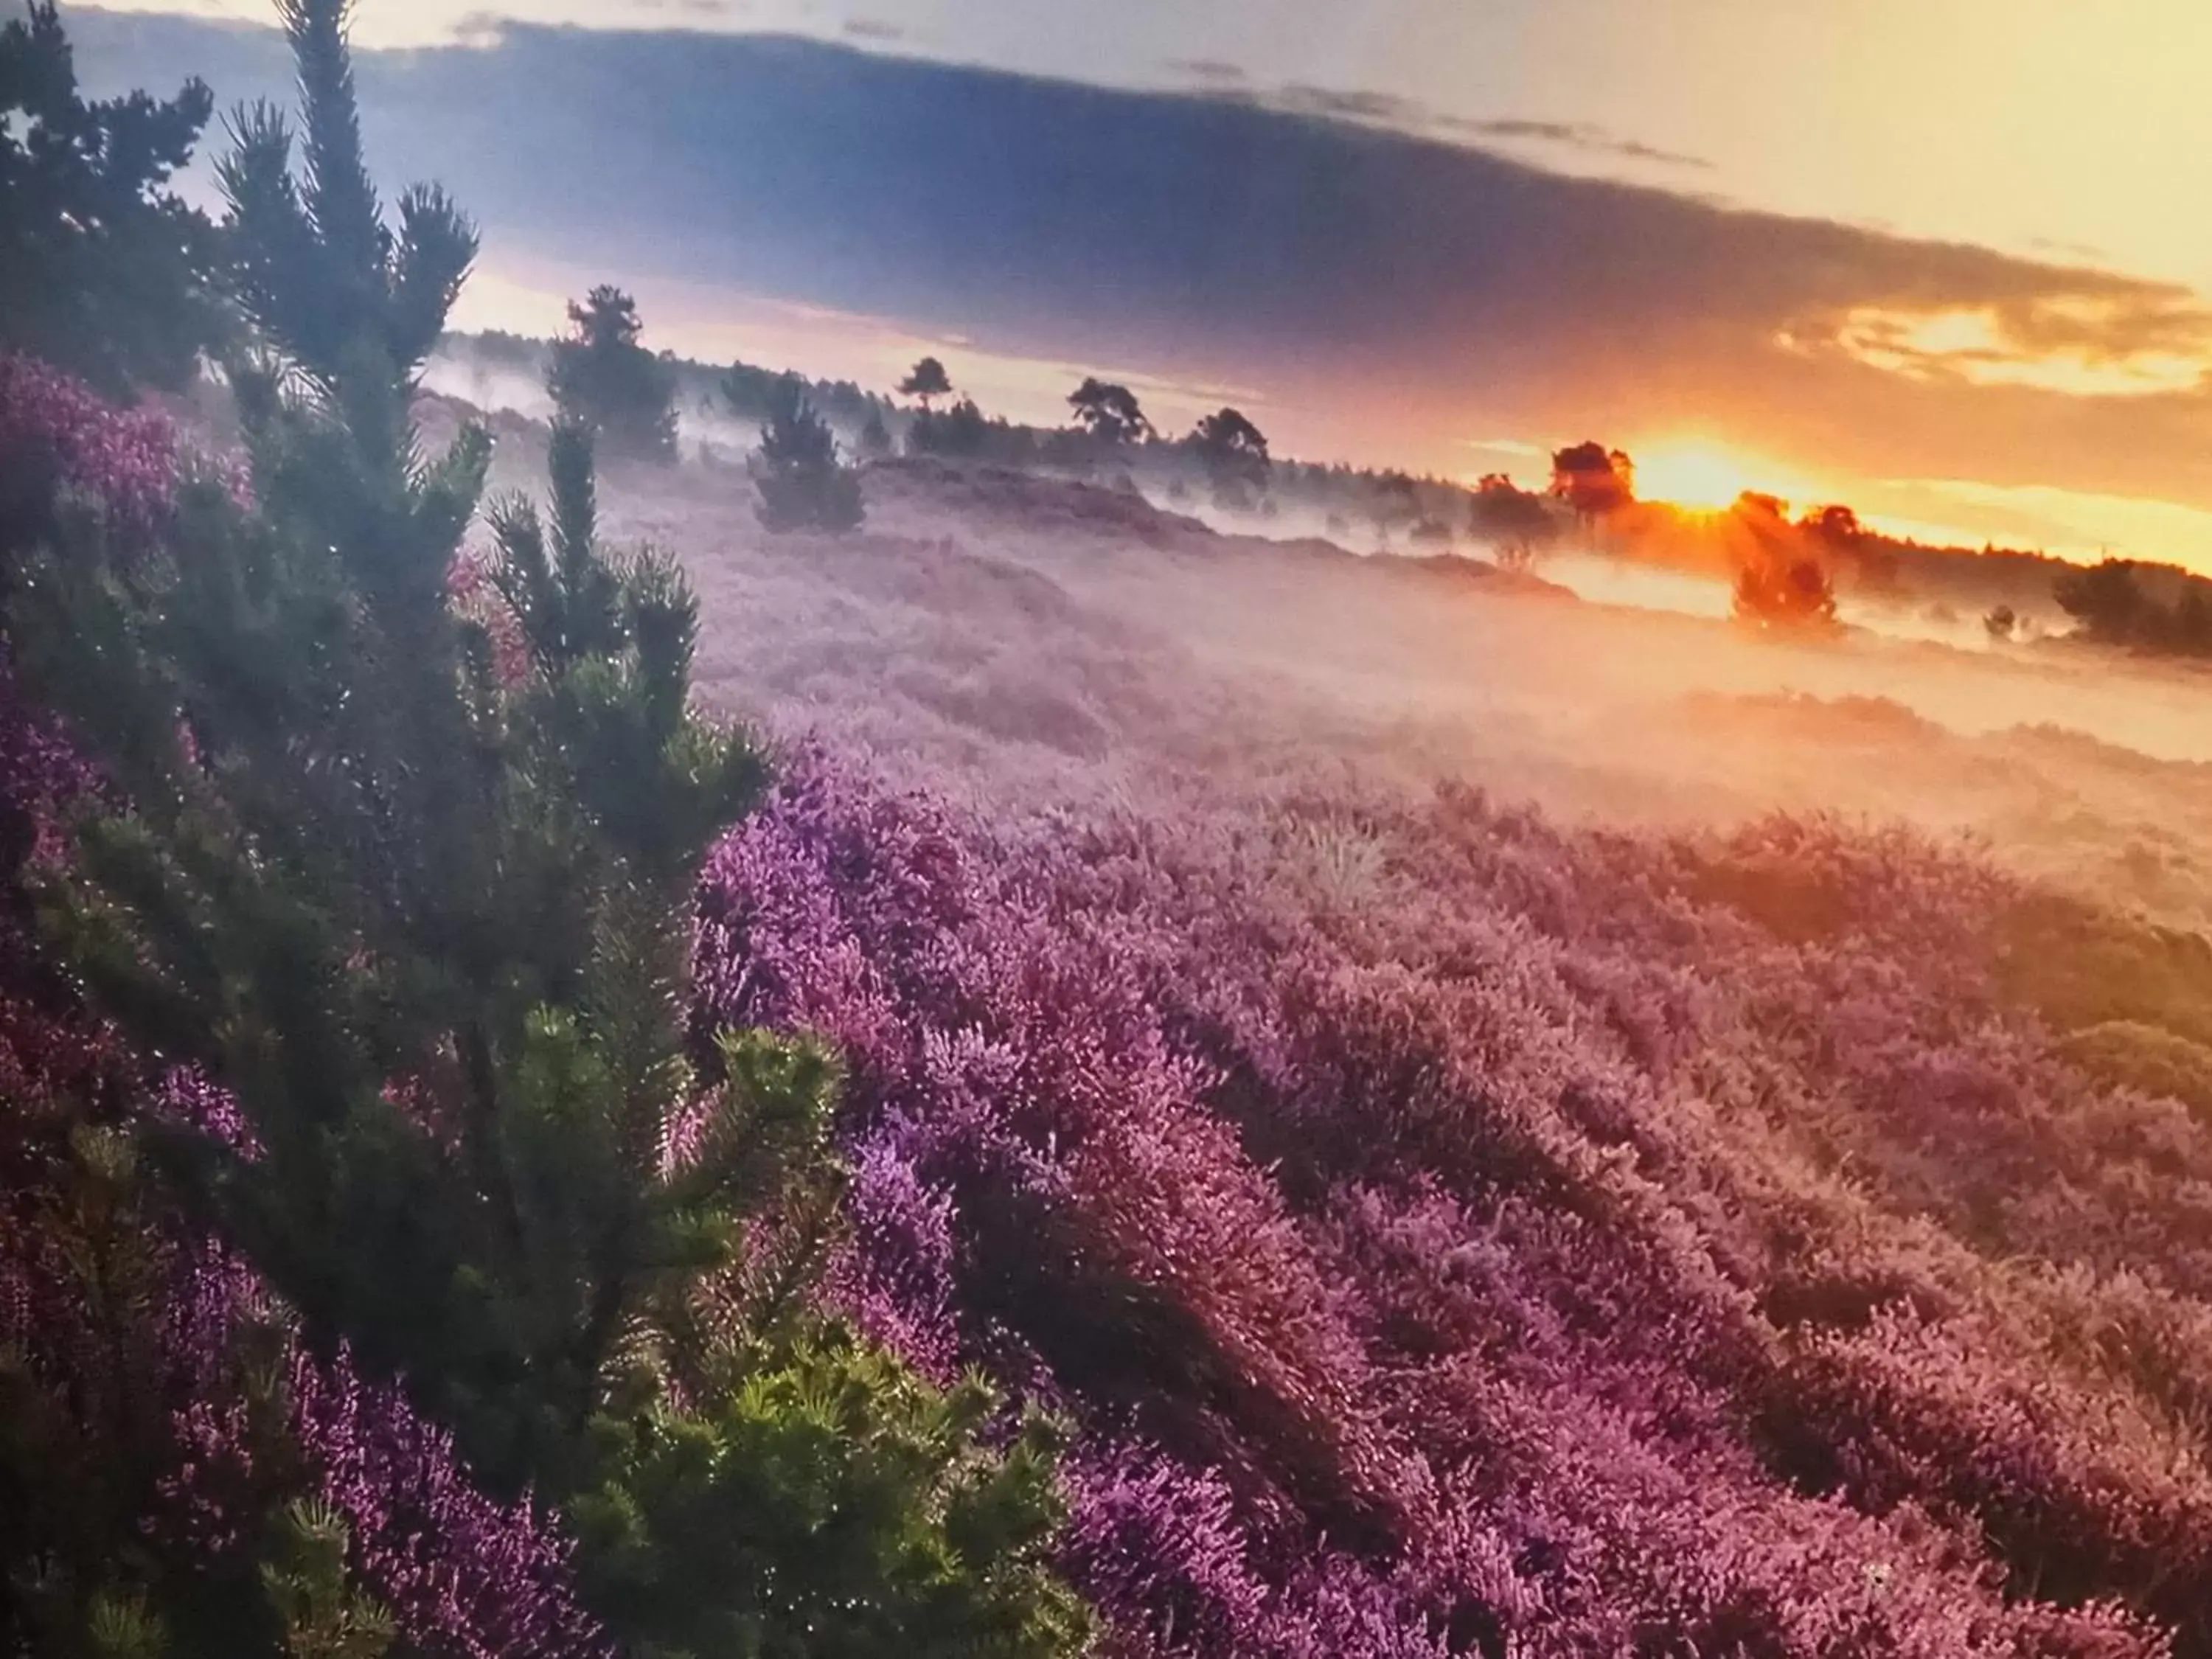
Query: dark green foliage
[(801, 483), (354, 304), (322, 1617), (375, 886), (365, 884), (604, 377), (875, 439), (103, 271), (916, 1543), (93, 1561)]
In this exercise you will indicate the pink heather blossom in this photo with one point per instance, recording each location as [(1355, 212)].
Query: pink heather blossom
[(464, 1575), (1474, 1275), (50, 421)]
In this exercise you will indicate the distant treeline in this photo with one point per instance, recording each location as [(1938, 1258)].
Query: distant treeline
[(1783, 568)]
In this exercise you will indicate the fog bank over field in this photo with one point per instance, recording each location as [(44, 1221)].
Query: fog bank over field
[(1030, 643)]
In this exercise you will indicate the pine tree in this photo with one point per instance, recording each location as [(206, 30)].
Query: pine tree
[(103, 270), (604, 377), (801, 483)]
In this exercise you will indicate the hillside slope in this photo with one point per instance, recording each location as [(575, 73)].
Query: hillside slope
[(1450, 1231)]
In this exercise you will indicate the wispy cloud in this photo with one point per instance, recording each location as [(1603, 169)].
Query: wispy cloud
[(1571, 135), (1410, 116), (1214, 71)]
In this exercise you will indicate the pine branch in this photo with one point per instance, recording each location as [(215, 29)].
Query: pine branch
[(340, 199), (270, 235), (437, 245), (575, 501)]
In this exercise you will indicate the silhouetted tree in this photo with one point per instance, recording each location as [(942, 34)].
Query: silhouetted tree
[(2188, 626), (801, 483), (2001, 623), (2105, 599), (928, 379), (603, 377), (875, 442), (1592, 479), (1834, 526), (1514, 521), (1234, 453), (749, 391), (961, 432), (1777, 589), (1393, 501), (103, 270), (1110, 412), (1783, 583)]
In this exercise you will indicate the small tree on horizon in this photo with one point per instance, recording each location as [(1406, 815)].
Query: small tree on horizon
[(1234, 453), (1792, 594), (961, 432), (800, 481), (1393, 499), (1835, 526), (603, 377), (1516, 522), (2106, 599), (1593, 480), (1110, 412), (926, 381)]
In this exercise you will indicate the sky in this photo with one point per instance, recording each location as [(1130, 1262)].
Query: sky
[(1948, 259)]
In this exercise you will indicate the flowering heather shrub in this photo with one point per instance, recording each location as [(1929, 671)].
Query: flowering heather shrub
[(464, 1575), (157, 1401), (1549, 1243), (468, 585), (54, 430), (60, 439)]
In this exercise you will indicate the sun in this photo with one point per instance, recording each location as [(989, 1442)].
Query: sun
[(1707, 475)]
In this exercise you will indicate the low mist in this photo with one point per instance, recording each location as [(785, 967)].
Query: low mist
[(1034, 642)]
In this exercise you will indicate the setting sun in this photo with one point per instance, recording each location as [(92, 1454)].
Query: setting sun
[(1708, 475)]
